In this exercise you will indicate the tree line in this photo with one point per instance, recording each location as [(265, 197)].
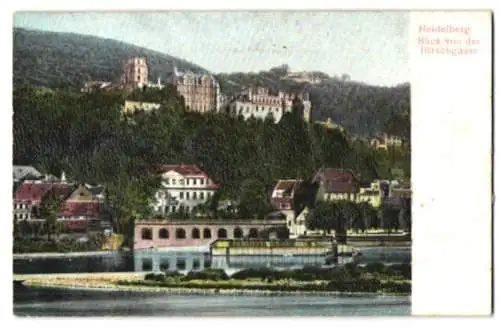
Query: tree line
[(341, 216)]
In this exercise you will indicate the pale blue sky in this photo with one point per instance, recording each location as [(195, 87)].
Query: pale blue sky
[(369, 46)]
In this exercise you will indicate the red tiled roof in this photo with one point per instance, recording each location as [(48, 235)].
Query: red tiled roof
[(185, 170), (34, 192), (62, 191), (88, 209), (337, 180)]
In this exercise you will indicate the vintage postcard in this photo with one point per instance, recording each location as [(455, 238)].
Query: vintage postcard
[(250, 163)]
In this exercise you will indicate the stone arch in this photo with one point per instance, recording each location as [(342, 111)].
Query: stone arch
[(180, 233), (147, 234), (207, 233), (237, 233), (222, 233), (195, 233), (253, 233), (163, 233)]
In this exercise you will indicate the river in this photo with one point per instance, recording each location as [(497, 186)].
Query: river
[(60, 302), (65, 302), (143, 261)]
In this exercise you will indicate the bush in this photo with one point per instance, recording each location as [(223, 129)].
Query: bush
[(392, 287), (206, 274), (376, 267), (172, 274), (155, 277), (261, 273), (403, 270), (31, 245), (356, 285)]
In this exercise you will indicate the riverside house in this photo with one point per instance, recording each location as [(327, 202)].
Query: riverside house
[(336, 184), (184, 187), (80, 209)]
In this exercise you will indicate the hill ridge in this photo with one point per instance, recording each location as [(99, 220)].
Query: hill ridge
[(60, 59)]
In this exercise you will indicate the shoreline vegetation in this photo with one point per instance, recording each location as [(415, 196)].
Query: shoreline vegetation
[(372, 279)]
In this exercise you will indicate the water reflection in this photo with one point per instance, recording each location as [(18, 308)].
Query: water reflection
[(144, 261)]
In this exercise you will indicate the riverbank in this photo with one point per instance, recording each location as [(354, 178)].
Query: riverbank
[(116, 286), (349, 279)]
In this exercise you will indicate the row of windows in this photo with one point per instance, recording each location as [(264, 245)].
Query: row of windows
[(266, 100), (22, 216), (173, 209), (194, 195), (180, 264), (180, 233), (21, 206), (189, 195), (348, 196), (257, 109), (186, 181)]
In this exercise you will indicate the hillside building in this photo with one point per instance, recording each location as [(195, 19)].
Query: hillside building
[(135, 72), (201, 92), (261, 102)]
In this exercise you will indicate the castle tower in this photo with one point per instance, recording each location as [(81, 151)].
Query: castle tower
[(135, 72)]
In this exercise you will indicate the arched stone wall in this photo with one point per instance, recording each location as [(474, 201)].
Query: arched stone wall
[(165, 234)]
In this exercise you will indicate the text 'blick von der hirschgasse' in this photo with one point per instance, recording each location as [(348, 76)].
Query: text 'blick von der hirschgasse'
[(450, 40)]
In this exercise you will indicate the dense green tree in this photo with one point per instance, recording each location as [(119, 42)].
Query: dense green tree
[(389, 217), (328, 216), (352, 215), (405, 214), (50, 207), (15, 230), (369, 215), (253, 200)]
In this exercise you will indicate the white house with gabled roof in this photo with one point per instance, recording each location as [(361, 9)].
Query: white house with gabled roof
[(183, 188)]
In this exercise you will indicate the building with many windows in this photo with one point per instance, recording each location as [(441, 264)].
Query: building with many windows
[(201, 92), (261, 103), (184, 187)]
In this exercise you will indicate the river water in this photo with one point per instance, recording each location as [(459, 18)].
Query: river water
[(143, 261), (64, 302), (59, 302)]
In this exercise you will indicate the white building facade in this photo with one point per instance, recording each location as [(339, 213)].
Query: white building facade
[(261, 103), (184, 187)]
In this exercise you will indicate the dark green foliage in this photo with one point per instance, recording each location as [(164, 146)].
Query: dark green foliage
[(329, 216), (352, 286), (206, 274), (347, 272), (253, 273), (155, 277), (28, 245), (86, 136), (375, 267), (53, 59), (50, 206), (349, 278), (172, 274), (356, 285)]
